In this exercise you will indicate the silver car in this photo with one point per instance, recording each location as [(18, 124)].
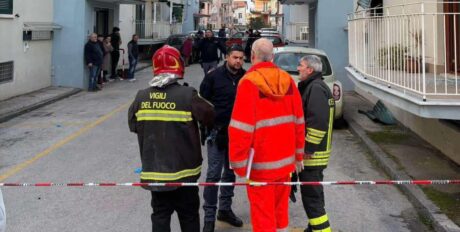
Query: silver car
[(287, 58)]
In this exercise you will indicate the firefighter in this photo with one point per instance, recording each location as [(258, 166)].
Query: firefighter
[(267, 131), (318, 106), (164, 117)]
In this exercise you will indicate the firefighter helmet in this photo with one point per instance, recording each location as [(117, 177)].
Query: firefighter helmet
[(168, 60)]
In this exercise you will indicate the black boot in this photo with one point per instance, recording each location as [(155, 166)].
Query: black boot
[(208, 227), (229, 217)]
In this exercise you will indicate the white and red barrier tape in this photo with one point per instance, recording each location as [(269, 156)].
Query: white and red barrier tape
[(324, 183)]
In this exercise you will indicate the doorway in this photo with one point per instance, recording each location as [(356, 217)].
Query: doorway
[(452, 10), (101, 26)]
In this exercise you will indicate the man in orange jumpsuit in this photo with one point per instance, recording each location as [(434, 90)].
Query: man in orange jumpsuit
[(268, 119)]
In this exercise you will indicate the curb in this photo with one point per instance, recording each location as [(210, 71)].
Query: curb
[(7, 116), (441, 223)]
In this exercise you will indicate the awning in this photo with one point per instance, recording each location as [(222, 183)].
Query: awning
[(198, 15), (41, 26)]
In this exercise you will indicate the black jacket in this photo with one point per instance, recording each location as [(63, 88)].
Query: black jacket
[(165, 121), (133, 50), (318, 106), (208, 48), (115, 41), (219, 87), (93, 53)]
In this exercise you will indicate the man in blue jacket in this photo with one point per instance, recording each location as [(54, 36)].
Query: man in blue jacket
[(94, 58)]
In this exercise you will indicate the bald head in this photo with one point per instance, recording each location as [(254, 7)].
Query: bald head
[(262, 51)]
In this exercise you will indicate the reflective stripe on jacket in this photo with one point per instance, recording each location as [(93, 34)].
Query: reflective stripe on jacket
[(268, 117), (318, 106), (165, 121)]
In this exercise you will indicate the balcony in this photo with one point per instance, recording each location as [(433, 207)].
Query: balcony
[(151, 32), (298, 2), (408, 55)]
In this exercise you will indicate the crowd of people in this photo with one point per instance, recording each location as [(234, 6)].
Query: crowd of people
[(257, 124), (102, 54), (207, 50)]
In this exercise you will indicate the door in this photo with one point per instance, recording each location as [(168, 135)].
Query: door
[(141, 24), (452, 10), (102, 22)]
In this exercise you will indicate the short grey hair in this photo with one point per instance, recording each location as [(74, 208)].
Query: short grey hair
[(263, 49), (313, 62)]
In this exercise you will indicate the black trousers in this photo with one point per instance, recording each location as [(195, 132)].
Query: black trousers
[(185, 201), (115, 57), (313, 197)]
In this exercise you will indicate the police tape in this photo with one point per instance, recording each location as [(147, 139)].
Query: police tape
[(251, 183)]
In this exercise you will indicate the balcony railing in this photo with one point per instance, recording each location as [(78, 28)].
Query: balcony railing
[(156, 30), (411, 48)]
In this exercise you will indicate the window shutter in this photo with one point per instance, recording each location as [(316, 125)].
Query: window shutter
[(6, 7)]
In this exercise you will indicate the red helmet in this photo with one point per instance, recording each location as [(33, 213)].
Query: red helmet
[(168, 60)]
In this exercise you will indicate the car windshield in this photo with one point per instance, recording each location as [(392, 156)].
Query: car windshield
[(288, 61), (176, 40)]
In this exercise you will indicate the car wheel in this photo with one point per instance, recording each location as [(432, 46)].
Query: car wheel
[(340, 123)]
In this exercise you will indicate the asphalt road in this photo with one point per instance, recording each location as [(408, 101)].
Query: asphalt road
[(85, 138)]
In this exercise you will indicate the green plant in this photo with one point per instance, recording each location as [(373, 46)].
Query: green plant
[(392, 57)]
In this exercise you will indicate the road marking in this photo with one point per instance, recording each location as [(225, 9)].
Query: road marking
[(59, 144)]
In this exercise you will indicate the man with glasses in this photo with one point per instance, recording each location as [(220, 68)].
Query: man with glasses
[(219, 87)]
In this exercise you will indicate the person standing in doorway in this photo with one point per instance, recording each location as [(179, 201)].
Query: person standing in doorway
[(94, 58), (116, 42), (133, 57)]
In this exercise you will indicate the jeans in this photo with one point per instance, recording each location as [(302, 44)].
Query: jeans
[(217, 160), (2, 214), (208, 66), (93, 76), (132, 67)]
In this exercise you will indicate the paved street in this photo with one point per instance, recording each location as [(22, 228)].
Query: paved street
[(85, 138)]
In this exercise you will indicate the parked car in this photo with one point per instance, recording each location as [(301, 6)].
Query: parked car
[(275, 39), (176, 40), (241, 38), (238, 38), (287, 58)]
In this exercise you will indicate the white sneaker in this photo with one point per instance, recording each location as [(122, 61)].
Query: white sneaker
[(132, 80)]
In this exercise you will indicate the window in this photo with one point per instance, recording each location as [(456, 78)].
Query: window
[(288, 62), (240, 15), (265, 6), (6, 71), (6, 7)]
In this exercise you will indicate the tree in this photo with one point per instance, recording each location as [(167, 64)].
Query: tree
[(256, 23)]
